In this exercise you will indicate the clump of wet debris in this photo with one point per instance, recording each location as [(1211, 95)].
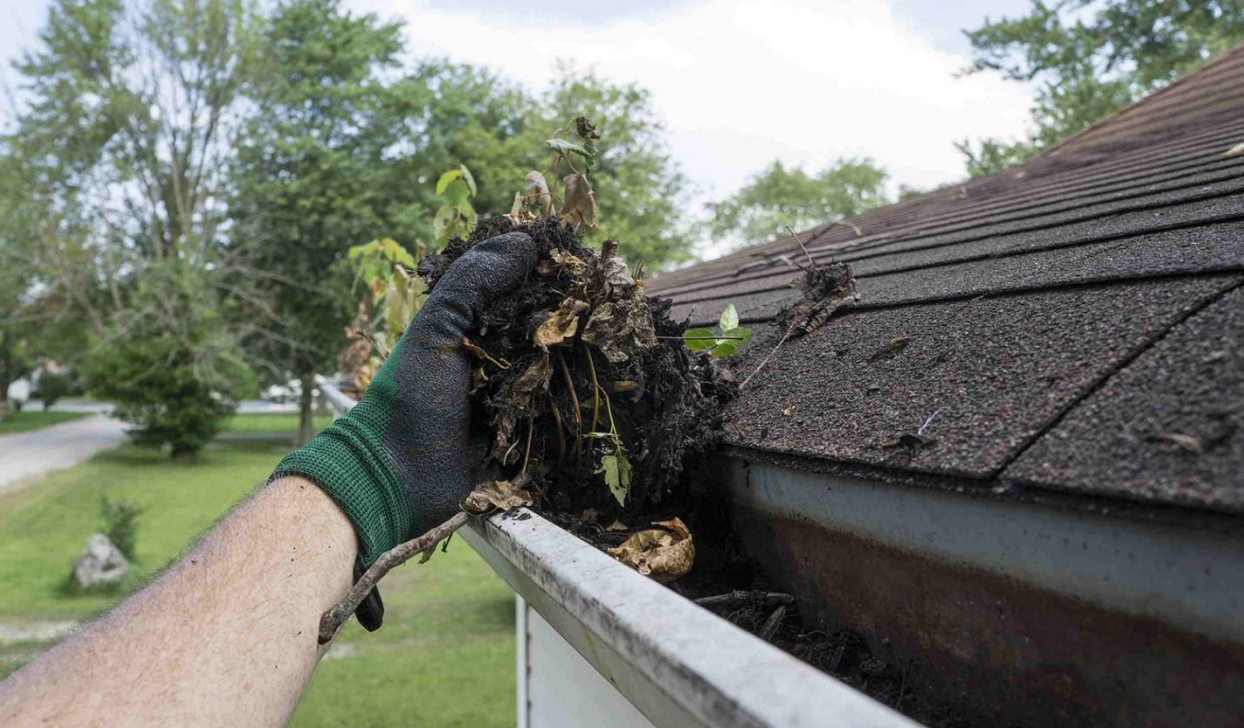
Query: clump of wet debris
[(583, 385)]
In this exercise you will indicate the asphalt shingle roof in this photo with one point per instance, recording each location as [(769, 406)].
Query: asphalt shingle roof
[(1065, 317)]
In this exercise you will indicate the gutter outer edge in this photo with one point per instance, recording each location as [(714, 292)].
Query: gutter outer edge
[(678, 663)]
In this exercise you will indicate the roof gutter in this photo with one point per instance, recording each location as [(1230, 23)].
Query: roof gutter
[(677, 663)]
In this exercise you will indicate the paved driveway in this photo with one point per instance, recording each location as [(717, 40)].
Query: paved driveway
[(24, 455)]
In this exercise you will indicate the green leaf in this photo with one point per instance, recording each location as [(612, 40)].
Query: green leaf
[(470, 180), (724, 349), (743, 335), (729, 318), (561, 146), (617, 471), (446, 178), (699, 339)]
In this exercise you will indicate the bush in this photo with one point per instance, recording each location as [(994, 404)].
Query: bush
[(53, 386), (121, 523), (172, 366)]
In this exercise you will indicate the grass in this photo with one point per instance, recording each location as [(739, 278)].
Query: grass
[(269, 422), (28, 419), (445, 656)]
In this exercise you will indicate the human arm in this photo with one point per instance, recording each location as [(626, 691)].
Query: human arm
[(194, 647), (227, 636)]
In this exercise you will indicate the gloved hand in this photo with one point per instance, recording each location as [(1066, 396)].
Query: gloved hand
[(401, 461)]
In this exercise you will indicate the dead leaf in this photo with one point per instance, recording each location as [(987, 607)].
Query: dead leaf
[(534, 380), (561, 324), (621, 330), (910, 441), (478, 379), (1187, 442), (1237, 149), (495, 495), (664, 553), (617, 526), (825, 289), (561, 262), (893, 347), (585, 129), (789, 410), (622, 385), (578, 201), (538, 193)]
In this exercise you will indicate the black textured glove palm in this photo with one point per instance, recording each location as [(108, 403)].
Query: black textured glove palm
[(401, 461)]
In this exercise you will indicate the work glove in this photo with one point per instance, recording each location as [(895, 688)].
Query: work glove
[(401, 461)]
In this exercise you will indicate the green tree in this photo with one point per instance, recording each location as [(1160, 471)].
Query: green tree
[(130, 116), (1088, 58), (171, 363), (780, 197), (462, 115), (314, 177)]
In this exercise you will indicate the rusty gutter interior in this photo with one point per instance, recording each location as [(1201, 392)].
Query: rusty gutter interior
[(1010, 612)]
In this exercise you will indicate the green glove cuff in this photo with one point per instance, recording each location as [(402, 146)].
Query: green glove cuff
[(348, 461)]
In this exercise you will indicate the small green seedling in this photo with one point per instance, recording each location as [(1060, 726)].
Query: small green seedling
[(614, 465), (723, 344)]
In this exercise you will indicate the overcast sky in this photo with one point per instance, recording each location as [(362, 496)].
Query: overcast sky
[(738, 83)]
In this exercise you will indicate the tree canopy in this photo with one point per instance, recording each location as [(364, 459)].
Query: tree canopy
[(1088, 58), (781, 197)]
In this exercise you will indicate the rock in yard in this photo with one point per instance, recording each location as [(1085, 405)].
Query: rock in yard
[(100, 563)]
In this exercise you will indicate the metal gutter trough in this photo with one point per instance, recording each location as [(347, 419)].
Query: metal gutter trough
[(1011, 612), (658, 658)]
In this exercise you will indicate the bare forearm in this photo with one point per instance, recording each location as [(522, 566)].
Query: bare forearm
[(225, 637)]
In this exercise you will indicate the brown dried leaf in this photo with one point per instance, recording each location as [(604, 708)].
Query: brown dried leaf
[(1187, 442), (578, 201), (664, 553), (910, 441), (538, 193), (825, 289), (621, 329), (561, 324), (495, 495), (534, 380), (893, 347), (561, 262)]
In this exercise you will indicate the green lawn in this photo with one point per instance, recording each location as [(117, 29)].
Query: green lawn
[(29, 419), (269, 422), (445, 656)]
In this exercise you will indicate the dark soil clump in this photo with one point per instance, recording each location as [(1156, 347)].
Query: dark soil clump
[(619, 383)]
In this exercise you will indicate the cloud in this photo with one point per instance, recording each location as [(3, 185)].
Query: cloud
[(742, 82)]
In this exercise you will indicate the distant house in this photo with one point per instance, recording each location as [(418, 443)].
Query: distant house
[(1063, 542)]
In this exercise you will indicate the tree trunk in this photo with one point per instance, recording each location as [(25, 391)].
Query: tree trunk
[(306, 420)]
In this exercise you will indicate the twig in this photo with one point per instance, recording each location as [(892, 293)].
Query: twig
[(574, 399), (772, 623), (531, 425), (730, 599), (926, 422), (591, 365), (561, 434), (768, 356), (332, 620), (805, 250)]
